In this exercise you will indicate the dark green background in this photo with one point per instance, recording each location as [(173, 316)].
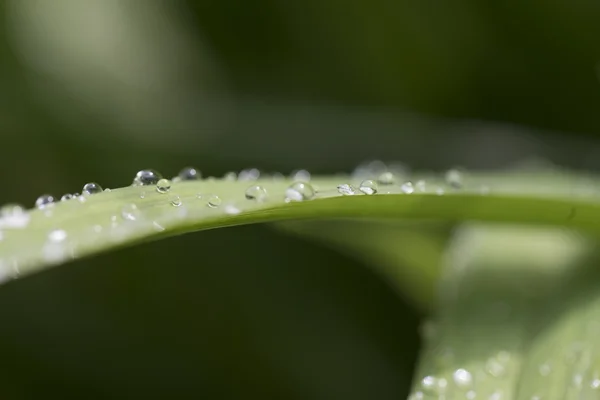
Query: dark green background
[(278, 85)]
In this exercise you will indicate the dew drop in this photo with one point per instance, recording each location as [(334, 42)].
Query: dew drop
[(301, 175), (497, 395), (163, 185), (189, 174), (142, 195), (429, 384), (13, 216), (66, 197), (251, 174), (57, 236), (130, 212), (230, 176), (231, 209), (471, 395), (454, 179), (176, 201), (386, 178), (91, 188), (439, 191), (44, 200), (146, 177), (107, 190), (346, 190), (299, 191), (545, 370), (76, 194), (407, 187), (257, 193), (420, 185), (462, 378), (595, 384), (368, 187), (214, 201)]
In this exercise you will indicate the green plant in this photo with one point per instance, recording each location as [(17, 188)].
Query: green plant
[(514, 310)]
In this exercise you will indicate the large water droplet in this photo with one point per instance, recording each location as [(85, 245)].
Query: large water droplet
[(299, 191), (462, 378), (44, 200), (454, 178), (256, 192), (407, 187), (163, 185), (368, 187), (130, 212), (214, 201), (346, 190), (91, 188), (146, 177), (189, 174), (386, 178)]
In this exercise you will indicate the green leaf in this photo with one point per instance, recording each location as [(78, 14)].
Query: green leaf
[(122, 217), (517, 317)]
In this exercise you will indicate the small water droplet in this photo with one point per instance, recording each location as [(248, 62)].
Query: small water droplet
[(471, 395), (142, 195), (346, 190), (429, 384), (176, 201), (462, 378), (189, 174), (577, 381), (439, 191), (57, 235), (13, 216), (146, 177), (301, 175), (256, 192), (130, 212), (76, 195), (91, 188), (494, 367), (595, 384), (386, 178), (368, 186), (214, 201), (231, 209), (497, 395), (107, 190), (420, 185), (163, 185), (407, 187), (44, 200), (230, 176), (454, 179), (66, 197), (251, 174), (299, 191)]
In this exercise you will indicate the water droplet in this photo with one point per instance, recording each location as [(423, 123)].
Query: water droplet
[(497, 395), (66, 197), (91, 188), (368, 187), (439, 191), (420, 185), (214, 201), (176, 201), (231, 209), (407, 187), (107, 190), (300, 175), (471, 395), (146, 177), (44, 200), (299, 191), (142, 195), (13, 216), (577, 381), (386, 178), (462, 378), (189, 174), (251, 174), (76, 195), (454, 179), (230, 176), (130, 212), (595, 384), (494, 367), (57, 236), (429, 384), (163, 185), (346, 190), (257, 193)]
